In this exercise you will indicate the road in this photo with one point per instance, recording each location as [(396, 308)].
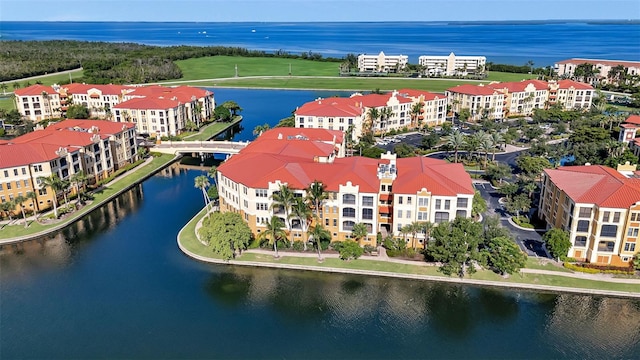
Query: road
[(40, 76)]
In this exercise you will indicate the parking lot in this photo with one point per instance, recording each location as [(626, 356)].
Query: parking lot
[(389, 142)]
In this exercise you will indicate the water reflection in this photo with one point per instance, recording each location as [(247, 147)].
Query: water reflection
[(58, 250), (595, 326)]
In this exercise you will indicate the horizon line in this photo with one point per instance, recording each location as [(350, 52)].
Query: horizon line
[(330, 21)]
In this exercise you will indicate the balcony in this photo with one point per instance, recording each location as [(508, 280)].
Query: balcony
[(606, 246)]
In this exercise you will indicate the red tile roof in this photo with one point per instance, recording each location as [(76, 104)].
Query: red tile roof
[(519, 86), (41, 145), (109, 89), (565, 84), (36, 89), (288, 133), (413, 93), (436, 176), (183, 94), (596, 184), (633, 119), (472, 90), (378, 100), (579, 61), (331, 107), (278, 155)]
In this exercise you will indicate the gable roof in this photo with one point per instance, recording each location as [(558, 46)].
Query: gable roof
[(436, 176), (519, 86), (427, 96), (331, 107), (473, 90), (633, 119), (36, 89)]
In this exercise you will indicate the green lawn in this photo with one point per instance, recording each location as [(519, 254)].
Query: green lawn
[(224, 67), (11, 231), (47, 79), (211, 130), (506, 77), (7, 104), (533, 263), (190, 242)]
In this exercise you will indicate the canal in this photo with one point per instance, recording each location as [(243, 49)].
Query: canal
[(115, 285)]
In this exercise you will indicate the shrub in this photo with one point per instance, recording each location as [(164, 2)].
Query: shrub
[(350, 250), (369, 249), (298, 246), (599, 269)]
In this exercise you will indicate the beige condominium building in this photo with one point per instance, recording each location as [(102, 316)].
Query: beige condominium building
[(566, 68), (452, 65), (38, 102), (384, 194), (97, 148), (501, 100), (396, 110), (382, 62), (598, 206)]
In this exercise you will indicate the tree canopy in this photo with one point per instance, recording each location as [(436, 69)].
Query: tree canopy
[(225, 233)]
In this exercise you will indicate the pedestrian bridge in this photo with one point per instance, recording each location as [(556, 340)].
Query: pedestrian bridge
[(199, 147)]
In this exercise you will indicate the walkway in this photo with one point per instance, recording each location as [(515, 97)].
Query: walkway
[(208, 147)]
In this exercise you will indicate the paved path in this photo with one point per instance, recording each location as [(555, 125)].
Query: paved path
[(39, 76)]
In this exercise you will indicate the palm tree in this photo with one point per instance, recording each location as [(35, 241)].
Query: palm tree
[(65, 185), (213, 174), (4, 88), (202, 183), (317, 233), (426, 227), (197, 114), (77, 181), (284, 199), (32, 196), (273, 233), (258, 130), (301, 211), (486, 145), (372, 117), (404, 231), (56, 185), (359, 231), (316, 196), (18, 201), (416, 111), (498, 140), (8, 207), (385, 114), (456, 141)]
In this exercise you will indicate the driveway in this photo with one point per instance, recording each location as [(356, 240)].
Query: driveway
[(530, 241)]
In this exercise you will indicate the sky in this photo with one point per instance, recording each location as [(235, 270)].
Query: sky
[(316, 10)]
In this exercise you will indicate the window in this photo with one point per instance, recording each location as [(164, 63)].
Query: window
[(399, 214), (6, 173), (335, 222), (349, 199), (326, 222), (423, 216), (605, 216), (616, 217), (408, 214), (630, 247), (261, 206), (441, 217), (583, 225), (606, 246), (409, 200), (24, 171), (461, 213), (609, 230), (399, 198), (635, 216), (367, 214), (438, 204), (367, 201), (423, 201), (261, 193), (632, 232), (349, 212), (447, 204), (580, 241), (585, 212), (462, 202), (8, 186), (348, 225)]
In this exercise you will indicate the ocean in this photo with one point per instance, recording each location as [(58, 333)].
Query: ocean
[(544, 43)]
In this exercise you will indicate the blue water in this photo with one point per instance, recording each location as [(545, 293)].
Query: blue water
[(510, 43)]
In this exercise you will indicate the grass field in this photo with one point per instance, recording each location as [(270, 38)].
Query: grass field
[(305, 74), (7, 103)]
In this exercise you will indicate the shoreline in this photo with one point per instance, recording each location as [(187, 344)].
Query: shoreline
[(400, 275), (80, 216)]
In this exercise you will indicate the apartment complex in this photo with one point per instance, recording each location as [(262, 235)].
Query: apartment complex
[(384, 194), (155, 110), (405, 108), (566, 68), (598, 206), (501, 100), (628, 132), (382, 62), (97, 148), (452, 65)]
